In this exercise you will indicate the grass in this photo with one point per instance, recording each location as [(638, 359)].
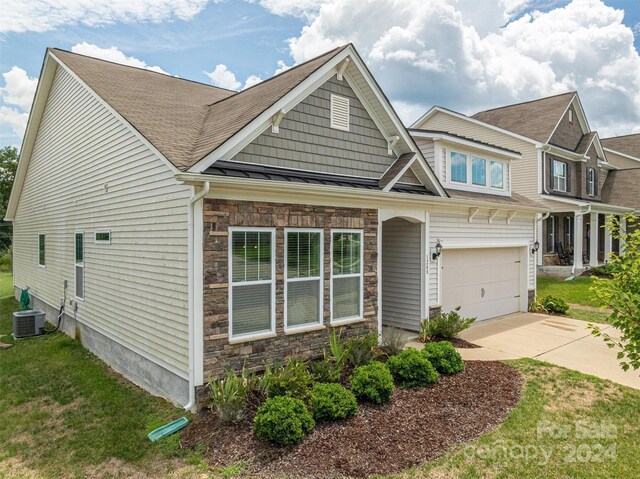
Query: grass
[(6, 285), (65, 414), (576, 291)]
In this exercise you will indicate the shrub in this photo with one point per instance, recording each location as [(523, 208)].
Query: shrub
[(536, 306), (372, 383), (393, 341), (326, 371), (337, 348), (228, 396), (443, 357), (283, 420), (444, 326), (292, 379), (555, 305), (361, 350), (605, 271), (412, 369), (332, 402)]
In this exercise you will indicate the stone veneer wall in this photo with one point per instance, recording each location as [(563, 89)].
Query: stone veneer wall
[(219, 215)]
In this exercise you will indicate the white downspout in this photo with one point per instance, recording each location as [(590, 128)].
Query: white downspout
[(544, 169), (195, 197)]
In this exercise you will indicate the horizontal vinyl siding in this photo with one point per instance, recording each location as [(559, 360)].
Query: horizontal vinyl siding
[(453, 227), (524, 172), (307, 142), (401, 282), (136, 287), (427, 148)]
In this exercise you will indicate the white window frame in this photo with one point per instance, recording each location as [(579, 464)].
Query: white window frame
[(77, 264), (334, 100), (490, 177), (570, 115), (591, 181), (467, 167), (359, 316), (288, 280), (551, 234), (480, 185), (44, 247), (259, 334), (469, 185), (557, 178), (97, 241)]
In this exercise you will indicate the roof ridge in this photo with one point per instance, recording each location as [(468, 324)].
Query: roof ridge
[(167, 75), (620, 136), (525, 102)]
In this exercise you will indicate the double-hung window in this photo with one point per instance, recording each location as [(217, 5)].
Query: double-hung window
[(497, 174), (79, 265), (559, 175), (303, 278), (41, 250), (478, 171), (346, 275), (591, 181), (251, 277), (458, 167)]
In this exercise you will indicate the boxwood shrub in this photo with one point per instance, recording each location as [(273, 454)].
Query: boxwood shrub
[(412, 369), (372, 383), (283, 420), (444, 357), (332, 402)]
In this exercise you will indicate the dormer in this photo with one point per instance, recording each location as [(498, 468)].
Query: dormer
[(465, 164)]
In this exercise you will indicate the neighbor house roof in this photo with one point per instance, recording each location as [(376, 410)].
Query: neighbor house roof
[(184, 120), (621, 188), (628, 144), (534, 119)]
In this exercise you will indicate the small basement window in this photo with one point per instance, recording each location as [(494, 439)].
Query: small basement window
[(339, 112), (41, 250), (103, 237)]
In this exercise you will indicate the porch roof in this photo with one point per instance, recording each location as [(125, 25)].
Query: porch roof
[(573, 204)]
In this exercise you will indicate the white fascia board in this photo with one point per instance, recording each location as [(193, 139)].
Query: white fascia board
[(356, 197), (468, 143), (595, 207), (461, 116), (565, 154), (263, 121)]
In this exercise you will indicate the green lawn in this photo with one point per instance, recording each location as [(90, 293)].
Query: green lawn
[(6, 285), (573, 292)]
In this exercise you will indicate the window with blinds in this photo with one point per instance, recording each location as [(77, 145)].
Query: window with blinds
[(303, 278), (346, 275), (339, 112), (251, 273)]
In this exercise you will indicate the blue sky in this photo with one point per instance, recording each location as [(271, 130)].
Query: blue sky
[(463, 54)]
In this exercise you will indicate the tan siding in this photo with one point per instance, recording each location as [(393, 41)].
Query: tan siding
[(427, 149), (136, 287)]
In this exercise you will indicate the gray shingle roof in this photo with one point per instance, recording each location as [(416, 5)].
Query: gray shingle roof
[(534, 119), (184, 120), (628, 144), (514, 200), (395, 169), (622, 188)]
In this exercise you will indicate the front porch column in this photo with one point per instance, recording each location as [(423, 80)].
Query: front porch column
[(623, 231), (608, 240), (577, 240), (593, 240)]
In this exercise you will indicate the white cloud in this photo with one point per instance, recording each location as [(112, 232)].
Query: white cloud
[(251, 80), (282, 67), (45, 15), (16, 120), (113, 54), (470, 55), (222, 77), (18, 88)]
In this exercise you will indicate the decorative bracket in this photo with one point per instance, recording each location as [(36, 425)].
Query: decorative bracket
[(472, 213), (492, 214), (342, 67), (275, 121), (392, 141), (510, 216)]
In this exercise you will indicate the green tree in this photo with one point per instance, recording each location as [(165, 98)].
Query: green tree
[(622, 294), (8, 165)]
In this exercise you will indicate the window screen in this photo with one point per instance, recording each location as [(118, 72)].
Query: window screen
[(346, 275), (304, 278)]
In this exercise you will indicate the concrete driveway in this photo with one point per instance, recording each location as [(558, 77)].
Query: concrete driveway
[(557, 340)]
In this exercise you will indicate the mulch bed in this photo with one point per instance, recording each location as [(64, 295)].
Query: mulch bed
[(457, 342), (418, 425)]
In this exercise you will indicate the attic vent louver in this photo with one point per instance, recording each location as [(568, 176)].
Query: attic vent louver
[(339, 113)]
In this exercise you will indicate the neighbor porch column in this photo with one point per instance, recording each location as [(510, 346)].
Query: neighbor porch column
[(608, 240), (577, 240), (593, 240), (623, 231)]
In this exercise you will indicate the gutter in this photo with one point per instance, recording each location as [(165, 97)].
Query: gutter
[(195, 197)]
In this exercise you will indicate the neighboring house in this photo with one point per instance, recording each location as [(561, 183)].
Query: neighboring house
[(563, 168), (193, 229), (623, 151), (622, 186)]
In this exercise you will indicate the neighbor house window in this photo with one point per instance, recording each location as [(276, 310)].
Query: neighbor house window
[(79, 265), (559, 175), (551, 234), (458, 167), (478, 171), (346, 275), (251, 273), (568, 233), (497, 174), (41, 250), (339, 112), (591, 181), (303, 278)]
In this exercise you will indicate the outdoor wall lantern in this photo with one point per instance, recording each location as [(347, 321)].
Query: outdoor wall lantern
[(437, 251), (535, 248)]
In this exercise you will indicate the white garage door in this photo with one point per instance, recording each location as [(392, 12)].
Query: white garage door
[(485, 282)]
